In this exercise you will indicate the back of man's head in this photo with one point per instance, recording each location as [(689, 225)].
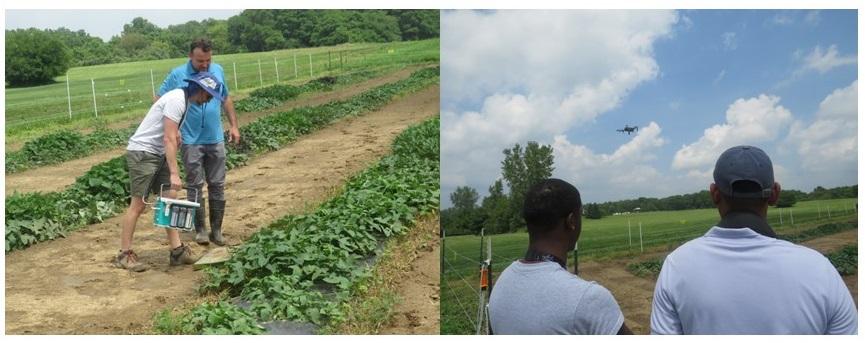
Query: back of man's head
[(548, 203), (745, 177)]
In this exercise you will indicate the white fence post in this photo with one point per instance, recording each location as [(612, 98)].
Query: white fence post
[(260, 78), (68, 97), (234, 68), (152, 84), (781, 215), (791, 215), (93, 88), (629, 233), (276, 67), (310, 65), (641, 237), (295, 66)]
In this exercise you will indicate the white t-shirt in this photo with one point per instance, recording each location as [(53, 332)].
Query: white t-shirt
[(148, 137), (736, 281), (543, 298)]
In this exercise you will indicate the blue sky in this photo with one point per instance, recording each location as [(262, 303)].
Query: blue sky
[(696, 82)]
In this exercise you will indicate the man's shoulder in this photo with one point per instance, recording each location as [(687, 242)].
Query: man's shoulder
[(180, 70)]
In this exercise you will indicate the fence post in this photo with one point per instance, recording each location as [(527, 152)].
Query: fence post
[(152, 84), (93, 89), (295, 66), (68, 97), (629, 233), (234, 68), (828, 212), (641, 237), (576, 258), (276, 67), (791, 215), (260, 78), (442, 262), (780, 215), (310, 65)]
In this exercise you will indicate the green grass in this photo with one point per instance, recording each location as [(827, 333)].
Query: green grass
[(124, 90), (604, 238)]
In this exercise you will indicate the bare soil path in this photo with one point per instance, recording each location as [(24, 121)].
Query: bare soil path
[(634, 294), (59, 176), (418, 309), (68, 286)]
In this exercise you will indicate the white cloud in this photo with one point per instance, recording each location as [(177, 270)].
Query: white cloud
[(829, 143), (675, 105), (616, 175), (812, 17), (729, 40), (514, 76), (719, 77), (824, 61), (783, 18), (749, 121)]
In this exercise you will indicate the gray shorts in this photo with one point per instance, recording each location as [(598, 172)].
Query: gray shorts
[(142, 168)]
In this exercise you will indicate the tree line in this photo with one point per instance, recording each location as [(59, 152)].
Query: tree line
[(500, 210), (36, 56)]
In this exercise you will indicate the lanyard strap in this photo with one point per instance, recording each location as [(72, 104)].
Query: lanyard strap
[(535, 256)]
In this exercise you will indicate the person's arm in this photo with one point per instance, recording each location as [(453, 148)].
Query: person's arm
[(843, 320), (170, 139), (664, 320), (234, 131)]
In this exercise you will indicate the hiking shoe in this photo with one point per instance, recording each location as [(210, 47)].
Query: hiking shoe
[(129, 260), (181, 255)]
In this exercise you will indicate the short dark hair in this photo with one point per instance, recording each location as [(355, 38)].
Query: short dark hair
[(202, 43), (745, 204), (548, 202)]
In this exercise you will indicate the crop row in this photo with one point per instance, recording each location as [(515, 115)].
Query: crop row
[(68, 144), (303, 267), (103, 191)]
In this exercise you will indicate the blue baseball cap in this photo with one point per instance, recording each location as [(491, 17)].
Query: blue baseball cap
[(208, 82), (744, 163)]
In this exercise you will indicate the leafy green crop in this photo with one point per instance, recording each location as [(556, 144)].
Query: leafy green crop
[(63, 146), (649, 268), (219, 318), (846, 260), (822, 230), (303, 267)]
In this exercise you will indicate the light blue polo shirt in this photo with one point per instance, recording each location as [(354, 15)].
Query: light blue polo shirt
[(203, 123)]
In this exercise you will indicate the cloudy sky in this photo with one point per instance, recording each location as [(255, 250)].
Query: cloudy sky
[(105, 23), (695, 82)]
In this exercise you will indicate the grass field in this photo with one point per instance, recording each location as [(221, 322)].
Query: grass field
[(604, 238), (124, 87)]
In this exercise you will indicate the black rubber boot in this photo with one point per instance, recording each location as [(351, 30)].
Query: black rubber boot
[(217, 211), (200, 229)]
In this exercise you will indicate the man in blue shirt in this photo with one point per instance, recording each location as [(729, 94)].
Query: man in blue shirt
[(203, 147)]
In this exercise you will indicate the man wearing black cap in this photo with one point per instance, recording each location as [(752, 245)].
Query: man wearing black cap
[(537, 295), (738, 278)]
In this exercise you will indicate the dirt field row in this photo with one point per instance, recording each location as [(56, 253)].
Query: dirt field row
[(68, 286)]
